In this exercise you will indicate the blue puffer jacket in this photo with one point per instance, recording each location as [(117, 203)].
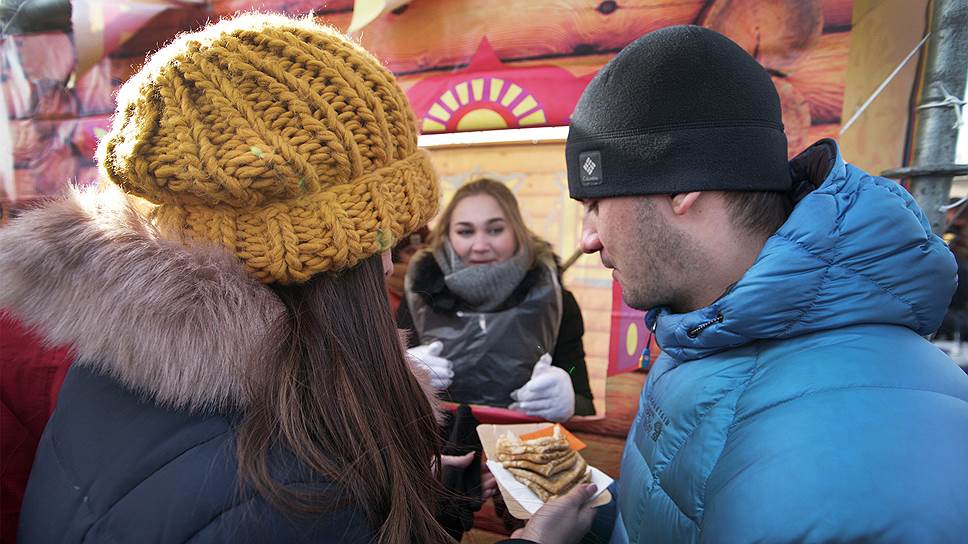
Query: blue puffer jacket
[(804, 405)]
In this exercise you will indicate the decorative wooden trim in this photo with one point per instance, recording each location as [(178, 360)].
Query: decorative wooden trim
[(539, 135)]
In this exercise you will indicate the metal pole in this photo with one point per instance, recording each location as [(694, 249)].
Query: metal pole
[(938, 112)]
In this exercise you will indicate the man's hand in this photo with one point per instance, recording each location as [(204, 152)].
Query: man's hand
[(548, 394), (562, 520), (428, 357)]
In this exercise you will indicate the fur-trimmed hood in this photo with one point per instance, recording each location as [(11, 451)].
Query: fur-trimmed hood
[(182, 325)]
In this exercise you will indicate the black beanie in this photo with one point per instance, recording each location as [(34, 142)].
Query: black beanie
[(680, 109)]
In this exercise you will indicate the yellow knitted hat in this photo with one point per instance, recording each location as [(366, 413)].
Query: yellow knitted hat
[(276, 138)]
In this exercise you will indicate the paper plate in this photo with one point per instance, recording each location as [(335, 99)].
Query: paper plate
[(521, 501)]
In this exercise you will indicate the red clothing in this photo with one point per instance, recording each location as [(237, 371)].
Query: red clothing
[(30, 378)]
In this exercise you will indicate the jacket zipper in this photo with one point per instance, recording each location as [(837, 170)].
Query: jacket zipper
[(646, 360), (693, 333)]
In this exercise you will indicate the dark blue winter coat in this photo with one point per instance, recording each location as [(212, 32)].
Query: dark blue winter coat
[(142, 444), (112, 467)]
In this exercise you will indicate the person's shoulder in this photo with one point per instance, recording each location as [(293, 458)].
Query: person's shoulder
[(859, 356), (129, 455), (254, 520), (425, 279), (128, 423), (875, 459), (568, 300), (425, 275), (424, 261), (546, 267), (834, 380), (867, 420), (248, 517)]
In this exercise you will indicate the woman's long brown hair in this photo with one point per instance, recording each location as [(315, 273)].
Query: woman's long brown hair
[(340, 396)]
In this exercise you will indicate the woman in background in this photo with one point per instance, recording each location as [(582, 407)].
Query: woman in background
[(492, 322)]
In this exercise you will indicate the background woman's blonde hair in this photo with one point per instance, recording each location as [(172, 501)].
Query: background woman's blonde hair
[(539, 249)]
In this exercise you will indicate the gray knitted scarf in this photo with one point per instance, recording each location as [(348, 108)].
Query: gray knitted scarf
[(485, 286)]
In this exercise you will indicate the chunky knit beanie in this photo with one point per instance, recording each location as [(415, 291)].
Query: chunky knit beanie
[(680, 109), (276, 138)]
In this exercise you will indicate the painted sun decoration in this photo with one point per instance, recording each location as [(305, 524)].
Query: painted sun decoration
[(488, 94), (483, 103)]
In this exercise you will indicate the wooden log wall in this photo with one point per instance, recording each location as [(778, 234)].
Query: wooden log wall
[(451, 31), (803, 43)]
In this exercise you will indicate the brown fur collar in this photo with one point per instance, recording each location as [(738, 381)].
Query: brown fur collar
[(179, 324)]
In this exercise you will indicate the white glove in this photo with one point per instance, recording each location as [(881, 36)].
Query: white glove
[(428, 357), (548, 394)]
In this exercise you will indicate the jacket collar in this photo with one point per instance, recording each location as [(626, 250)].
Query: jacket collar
[(856, 249)]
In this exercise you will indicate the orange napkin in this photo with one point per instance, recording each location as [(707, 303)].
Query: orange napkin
[(573, 440)]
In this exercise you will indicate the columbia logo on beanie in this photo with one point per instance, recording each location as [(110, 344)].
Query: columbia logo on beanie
[(591, 167), (679, 109)]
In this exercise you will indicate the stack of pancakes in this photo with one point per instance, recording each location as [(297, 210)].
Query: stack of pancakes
[(548, 466)]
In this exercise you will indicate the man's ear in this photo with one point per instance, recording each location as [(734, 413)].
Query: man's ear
[(682, 202)]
